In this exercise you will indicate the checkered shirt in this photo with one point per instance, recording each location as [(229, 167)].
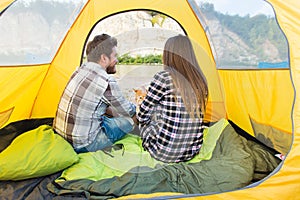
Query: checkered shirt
[(90, 88), (168, 132)]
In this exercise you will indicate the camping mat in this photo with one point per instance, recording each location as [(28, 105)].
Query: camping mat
[(235, 163)]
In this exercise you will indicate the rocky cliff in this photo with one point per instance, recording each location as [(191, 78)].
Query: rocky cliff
[(137, 34)]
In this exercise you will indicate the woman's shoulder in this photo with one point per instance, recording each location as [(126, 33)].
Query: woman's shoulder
[(163, 74), (163, 78)]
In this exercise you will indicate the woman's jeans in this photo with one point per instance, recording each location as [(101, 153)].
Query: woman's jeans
[(112, 130)]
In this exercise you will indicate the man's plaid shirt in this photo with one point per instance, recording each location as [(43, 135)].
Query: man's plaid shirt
[(173, 136), (85, 99)]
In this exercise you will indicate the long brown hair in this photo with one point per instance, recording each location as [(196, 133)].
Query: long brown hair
[(180, 60)]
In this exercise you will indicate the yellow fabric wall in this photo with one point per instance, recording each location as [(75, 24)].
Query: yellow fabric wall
[(4, 4), (263, 95), (19, 88)]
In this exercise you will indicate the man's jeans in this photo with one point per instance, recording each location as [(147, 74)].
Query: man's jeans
[(112, 130)]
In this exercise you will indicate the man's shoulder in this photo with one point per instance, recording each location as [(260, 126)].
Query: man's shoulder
[(93, 71)]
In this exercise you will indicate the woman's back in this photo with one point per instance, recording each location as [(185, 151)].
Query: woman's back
[(171, 116), (169, 133)]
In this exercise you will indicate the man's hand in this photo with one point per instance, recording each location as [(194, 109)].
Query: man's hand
[(110, 113), (135, 120)]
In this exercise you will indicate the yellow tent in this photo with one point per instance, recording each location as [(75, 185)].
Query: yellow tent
[(31, 87)]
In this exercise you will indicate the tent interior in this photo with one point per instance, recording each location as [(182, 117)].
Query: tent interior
[(245, 58)]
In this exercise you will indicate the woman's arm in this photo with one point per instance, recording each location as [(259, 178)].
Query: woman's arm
[(155, 93)]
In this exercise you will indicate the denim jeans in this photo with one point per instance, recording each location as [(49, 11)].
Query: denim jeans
[(113, 129)]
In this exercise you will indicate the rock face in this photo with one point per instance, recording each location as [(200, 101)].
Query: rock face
[(231, 50), (137, 35), (36, 37), (228, 45)]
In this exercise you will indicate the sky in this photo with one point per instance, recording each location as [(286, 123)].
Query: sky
[(241, 7), (232, 7)]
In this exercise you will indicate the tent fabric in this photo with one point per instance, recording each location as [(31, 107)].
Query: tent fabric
[(17, 97), (250, 99), (4, 4), (34, 91), (272, 137)]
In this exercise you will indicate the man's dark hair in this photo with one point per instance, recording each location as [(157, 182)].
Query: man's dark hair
[(101, 44)]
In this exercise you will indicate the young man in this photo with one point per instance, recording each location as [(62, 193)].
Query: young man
[(93, 113)]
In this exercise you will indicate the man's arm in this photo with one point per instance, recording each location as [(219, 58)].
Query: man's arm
[(135, 120), (119, 105), (110, 113)]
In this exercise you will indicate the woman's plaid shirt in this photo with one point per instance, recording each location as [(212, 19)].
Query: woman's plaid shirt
[(168, 132)]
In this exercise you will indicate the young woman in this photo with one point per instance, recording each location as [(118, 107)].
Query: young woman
[(171, 116)]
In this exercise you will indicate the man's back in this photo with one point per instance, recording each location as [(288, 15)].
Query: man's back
[(78, 115)]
